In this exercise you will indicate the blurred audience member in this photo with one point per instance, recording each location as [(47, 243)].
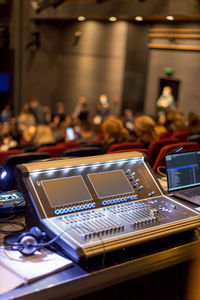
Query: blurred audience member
[(37, 110), (193, 120), (81, 110), (60, 112), (43, 135), (193, 127), (145, 130), (57, 130), (7, 140), (128, 120), (47, 114), (5, 114), (103, 107), (173, 115), (25, 120), (114, 132)]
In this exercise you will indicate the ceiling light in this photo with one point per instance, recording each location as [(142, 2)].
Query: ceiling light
[(138, 18), (170, 18), (81, 18), (112, 19)]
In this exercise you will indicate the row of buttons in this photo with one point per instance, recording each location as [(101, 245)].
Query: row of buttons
[(119, 200), (7, 197), (74, 209)]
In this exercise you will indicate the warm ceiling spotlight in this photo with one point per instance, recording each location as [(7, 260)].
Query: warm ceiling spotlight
[(170, 18), (112, 19), (139, 18), (81, 18)]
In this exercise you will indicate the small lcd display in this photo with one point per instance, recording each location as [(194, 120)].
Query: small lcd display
[(110, 183), (63, 191)]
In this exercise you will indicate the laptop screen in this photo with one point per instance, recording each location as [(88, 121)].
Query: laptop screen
[(183, 170)]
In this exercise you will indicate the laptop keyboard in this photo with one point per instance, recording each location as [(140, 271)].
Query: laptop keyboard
[(191, 194)]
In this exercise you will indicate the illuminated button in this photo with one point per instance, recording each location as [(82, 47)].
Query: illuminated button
[(132, 198), (89, 205), (107, 202), (104, 203), (140, 188), (122, 199), (61, 211), (65, 210), (81, 207), (78, 208), (57, 212), (118, 200), (111, 201), (133, 174), (115, 200), (93, 205), (151, 193), (85, 206), (128, 171), (69, 209)]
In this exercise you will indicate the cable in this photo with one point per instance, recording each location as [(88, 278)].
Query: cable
[(12, 223), (160, 172)]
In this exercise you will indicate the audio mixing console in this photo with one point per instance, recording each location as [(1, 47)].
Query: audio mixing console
[(102, 204)]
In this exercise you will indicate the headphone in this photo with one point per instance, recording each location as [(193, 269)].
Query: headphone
[(27, 243)]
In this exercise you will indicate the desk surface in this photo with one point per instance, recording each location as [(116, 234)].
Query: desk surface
[(76, 281)]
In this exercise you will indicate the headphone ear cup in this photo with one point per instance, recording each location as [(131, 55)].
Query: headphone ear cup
[(28, 244), (36, 232)]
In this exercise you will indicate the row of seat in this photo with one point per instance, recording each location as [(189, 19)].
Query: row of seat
[(155, 153)]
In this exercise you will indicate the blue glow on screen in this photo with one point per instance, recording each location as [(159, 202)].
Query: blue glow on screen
[(4, 82)]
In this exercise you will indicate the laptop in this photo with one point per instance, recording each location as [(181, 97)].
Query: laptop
[(183, 175)]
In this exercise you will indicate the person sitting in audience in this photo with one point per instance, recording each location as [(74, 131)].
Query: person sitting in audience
[(114, 132), (7, 140), (145, 130), (193, 127), (25, 120), (43, 135), (172, 116), (37, 110)]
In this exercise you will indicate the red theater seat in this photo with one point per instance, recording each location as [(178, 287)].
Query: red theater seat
[(155, 147), (129, 150), (124, 146), (181, 135), (4, 154), (54, 151), (160, 161)]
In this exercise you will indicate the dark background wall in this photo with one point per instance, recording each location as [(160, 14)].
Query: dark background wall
[(76, 59), (52, 62), (134, 79)]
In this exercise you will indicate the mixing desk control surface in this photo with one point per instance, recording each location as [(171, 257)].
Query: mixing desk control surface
[(106, 203)]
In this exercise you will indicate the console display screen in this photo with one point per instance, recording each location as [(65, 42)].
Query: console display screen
[(65, 191), (110, 183)]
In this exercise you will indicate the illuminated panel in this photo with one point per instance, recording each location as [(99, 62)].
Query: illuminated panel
[(110, 183), (64, 191)]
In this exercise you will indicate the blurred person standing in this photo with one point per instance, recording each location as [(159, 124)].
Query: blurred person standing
[(165, 102)]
